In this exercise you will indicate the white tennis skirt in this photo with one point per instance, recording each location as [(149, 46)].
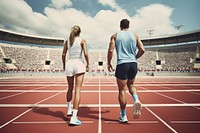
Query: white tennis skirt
[(74, 66)]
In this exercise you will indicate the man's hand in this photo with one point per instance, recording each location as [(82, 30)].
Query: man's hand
[(110, 68)]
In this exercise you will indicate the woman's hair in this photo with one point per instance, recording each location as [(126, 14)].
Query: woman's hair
[(75, 31)]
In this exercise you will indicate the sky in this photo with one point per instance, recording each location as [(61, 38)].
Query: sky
[(99, 19)]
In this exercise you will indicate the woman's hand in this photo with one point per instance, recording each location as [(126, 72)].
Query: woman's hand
[(87, 68)]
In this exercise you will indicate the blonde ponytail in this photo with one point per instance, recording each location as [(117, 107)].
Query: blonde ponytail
[(75, 31)]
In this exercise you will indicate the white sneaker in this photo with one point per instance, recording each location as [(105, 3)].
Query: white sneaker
[(123, 119), (137, 109), (74, 122), (69, 112)]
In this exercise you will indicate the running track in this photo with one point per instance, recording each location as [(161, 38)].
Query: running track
[(38, 104)]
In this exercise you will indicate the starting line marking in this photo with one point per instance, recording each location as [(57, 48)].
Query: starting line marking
[(185, 122), (134, 122), (49, 122), (97, 105)]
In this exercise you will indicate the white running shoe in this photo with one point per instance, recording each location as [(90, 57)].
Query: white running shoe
[(123, 119), (74, 122), (137, 109), (69, 112)]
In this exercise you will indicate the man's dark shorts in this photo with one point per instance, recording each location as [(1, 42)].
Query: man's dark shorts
[(126, 71)]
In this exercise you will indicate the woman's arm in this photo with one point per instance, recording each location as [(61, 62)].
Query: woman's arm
[(84, 47), (65, 48)]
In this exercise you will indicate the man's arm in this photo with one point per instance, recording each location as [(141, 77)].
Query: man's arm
[(140, 46), (110, 52)]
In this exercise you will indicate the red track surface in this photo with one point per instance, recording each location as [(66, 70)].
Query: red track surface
[(35, 105)]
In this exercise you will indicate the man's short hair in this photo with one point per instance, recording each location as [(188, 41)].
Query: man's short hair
[(124, 23)]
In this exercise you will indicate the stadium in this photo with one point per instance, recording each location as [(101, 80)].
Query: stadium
[(171, 55), (36, 96), (35, 61)]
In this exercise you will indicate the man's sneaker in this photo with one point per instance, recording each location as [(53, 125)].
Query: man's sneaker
[(123, 119), (137, 109), (74, 122), (69, 112)]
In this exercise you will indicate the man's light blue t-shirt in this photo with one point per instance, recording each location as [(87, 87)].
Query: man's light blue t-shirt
[(125, 47)]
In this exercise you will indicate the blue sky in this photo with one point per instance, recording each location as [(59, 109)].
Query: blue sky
[(99, 18)]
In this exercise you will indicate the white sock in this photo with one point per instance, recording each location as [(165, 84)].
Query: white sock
[(69, 105), (75, 111)]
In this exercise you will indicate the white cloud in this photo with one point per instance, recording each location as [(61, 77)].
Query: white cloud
[(19, 15), (96, 30), (110, 3), (153, 17), (59, 4)]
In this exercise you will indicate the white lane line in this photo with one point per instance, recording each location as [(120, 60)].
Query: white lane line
[(49, 122), (15, 118), (88, 91), (162, 120), (87, 80), (99, 125), (185, 122), (188, 90), (97, 105), (33, 81), (32, 84), (174, 99), (134, 122), (28, 110), (23, 91), (27, 91), (39, 122), (31, 108), (96, 84), (163, 95), (6, 97), (195, 93)]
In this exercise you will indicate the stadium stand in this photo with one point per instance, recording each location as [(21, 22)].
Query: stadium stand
[(180, 56)]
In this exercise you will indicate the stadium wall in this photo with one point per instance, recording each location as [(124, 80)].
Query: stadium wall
[(35, 74)]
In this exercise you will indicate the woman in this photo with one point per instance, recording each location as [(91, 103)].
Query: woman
[(74, 69)]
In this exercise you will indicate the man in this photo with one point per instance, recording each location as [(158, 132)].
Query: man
[(126, 44)]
